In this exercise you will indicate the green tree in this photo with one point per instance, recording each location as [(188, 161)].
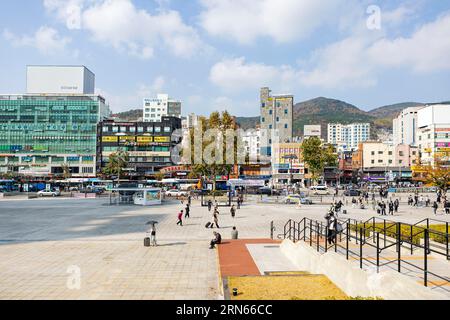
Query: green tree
[(317, 156), (117, 162)]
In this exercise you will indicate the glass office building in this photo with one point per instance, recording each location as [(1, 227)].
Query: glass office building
[(40, 134)]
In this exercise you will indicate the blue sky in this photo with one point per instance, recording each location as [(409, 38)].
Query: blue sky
[(216, 54)]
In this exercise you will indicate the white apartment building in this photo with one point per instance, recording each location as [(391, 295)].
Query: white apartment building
[(348, 137), (190, 121), (252, 144), (405, 127), (162, 106), (434, 134)]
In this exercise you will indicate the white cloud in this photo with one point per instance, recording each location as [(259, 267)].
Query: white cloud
[(426, 50), (120, 24), (247, 20), (354, 62), (237, 75), (47, 40)]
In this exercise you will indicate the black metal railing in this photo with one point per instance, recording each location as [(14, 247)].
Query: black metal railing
[(380, 236)]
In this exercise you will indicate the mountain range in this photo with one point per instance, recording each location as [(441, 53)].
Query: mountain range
[(321, 111)]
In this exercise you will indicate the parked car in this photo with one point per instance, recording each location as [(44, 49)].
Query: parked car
[(93, 190), (176, 193), (320, 190), (295, 199), (352, 193), (49, 193)]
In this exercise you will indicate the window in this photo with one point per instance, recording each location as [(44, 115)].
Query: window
[(167, 129), (140, 129), (278, 119), (380, 152), (133, 129), (286, 111), (390, 161), (105, 129), (373, 161), (263, 119), (123, 129), (390, 153), (286, 126), (373, 153), (270, 112), (270, 126), (263, 104), (115, 129), (157, 129)]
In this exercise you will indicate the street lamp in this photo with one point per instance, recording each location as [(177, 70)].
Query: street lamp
[(290, 157)]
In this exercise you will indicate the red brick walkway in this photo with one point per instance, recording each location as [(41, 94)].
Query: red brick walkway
[(236, 260)]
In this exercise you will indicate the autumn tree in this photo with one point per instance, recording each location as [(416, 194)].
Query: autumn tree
[(317, 156)]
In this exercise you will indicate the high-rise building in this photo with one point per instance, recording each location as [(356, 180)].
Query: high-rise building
[(348, 137), (149, 144), (434, 134), (276, 120), (54, 125), (405, 126), (252, 144), (162, 106), (41, 133)]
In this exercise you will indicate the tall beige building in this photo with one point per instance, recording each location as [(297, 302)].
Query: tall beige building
[(276, 120)]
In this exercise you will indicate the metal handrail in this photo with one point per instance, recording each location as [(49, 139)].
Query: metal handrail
[(293, 230)]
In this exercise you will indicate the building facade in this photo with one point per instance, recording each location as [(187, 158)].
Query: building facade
[(405, 127), (287, 162), (149, 144), (348, 137), (64, 80), (434, 134), (276, 120), (162, 106), (41, 134), (312, 131), (252, 144)]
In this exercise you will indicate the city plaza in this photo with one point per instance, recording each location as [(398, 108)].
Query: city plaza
[(45, 243)]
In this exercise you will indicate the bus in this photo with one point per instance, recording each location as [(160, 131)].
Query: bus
[(8, 186)]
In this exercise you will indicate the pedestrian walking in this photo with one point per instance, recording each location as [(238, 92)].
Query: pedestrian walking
[(391, 208), (180, 218), (188, 211), (216, 219), (447, 207), (396, 205), (331, 227), (233, 211), (435, 207), (209, 205)]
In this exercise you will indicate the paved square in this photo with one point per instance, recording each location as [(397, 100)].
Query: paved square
[(44, 242)]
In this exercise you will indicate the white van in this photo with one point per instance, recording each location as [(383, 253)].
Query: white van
[(320, 190)]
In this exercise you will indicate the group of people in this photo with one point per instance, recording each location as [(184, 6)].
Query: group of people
[(391, 205), (186, 212)]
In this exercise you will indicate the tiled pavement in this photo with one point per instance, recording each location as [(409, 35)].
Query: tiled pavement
[(40, 239)]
